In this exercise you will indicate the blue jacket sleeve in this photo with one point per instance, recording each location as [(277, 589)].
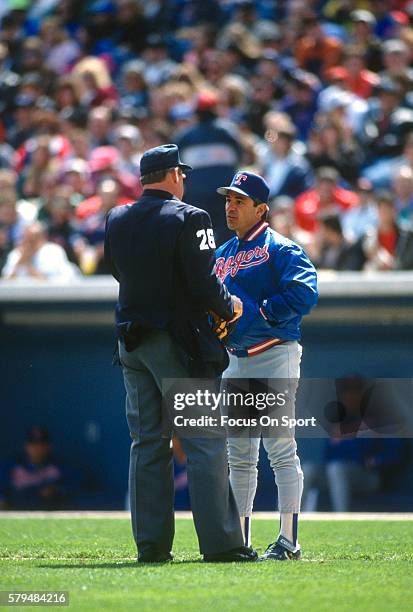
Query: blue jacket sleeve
[(298, 285)]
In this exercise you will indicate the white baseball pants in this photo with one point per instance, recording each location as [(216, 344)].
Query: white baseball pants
[(282, 361)]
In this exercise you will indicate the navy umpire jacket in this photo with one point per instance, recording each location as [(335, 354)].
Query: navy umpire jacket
[(162, 252)]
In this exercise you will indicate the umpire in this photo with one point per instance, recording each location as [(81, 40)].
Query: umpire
[(162, 252)]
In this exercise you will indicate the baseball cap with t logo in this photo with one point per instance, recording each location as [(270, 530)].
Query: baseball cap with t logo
[(248, 184)]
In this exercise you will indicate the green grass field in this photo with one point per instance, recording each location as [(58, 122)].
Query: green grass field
[(358, 566)]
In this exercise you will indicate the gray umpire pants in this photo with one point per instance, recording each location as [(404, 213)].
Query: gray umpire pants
[(279, 362), (151, 478)]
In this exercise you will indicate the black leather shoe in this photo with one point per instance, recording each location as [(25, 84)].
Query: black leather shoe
[(281, 550), (152, 557), (241, 554)]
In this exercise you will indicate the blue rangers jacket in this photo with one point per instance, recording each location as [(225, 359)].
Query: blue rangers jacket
[(276, 282)]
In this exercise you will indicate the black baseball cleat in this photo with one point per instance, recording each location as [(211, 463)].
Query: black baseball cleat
[(281, 550), (154, 557), (241, 554)]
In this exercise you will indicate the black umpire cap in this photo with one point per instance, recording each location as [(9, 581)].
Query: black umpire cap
[(163, 157)]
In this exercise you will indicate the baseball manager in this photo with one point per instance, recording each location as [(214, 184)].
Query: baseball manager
[(278, 285)]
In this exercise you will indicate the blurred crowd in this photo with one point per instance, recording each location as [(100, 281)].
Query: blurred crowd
[(315, 95)]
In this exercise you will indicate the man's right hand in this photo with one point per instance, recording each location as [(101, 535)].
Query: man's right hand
[(237, 306)]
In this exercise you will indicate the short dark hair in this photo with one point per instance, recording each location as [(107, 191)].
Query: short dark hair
[(155, 177)]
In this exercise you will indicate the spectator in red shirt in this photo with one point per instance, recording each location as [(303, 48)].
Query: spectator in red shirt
[(327, 197), (390, 246), (359, 80), (363, 35), (104, 163)]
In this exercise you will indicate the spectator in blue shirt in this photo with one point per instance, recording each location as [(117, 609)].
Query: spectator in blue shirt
[(300, 103), (286, 171), (213, 150), (35, 480)]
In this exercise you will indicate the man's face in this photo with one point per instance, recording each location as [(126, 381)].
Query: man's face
[(134, 82), (268, 69), (388, 101), (8, 212), (362, 30), (313, 29), (303, 95), (109, 194), (396, 61), (325, 190), (354, 64), (241, 212), (37, 451), (99, 126), (23, 116), (75, 180), (403, 186)]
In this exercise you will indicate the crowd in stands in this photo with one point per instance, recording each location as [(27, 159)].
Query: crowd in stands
[(315, 95)]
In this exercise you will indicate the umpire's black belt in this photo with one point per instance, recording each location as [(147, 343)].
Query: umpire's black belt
[(132, 334)]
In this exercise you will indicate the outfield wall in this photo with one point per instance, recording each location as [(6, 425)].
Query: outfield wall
[(57, 341)]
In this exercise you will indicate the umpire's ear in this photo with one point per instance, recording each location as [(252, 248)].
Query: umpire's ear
[(177, 174)]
